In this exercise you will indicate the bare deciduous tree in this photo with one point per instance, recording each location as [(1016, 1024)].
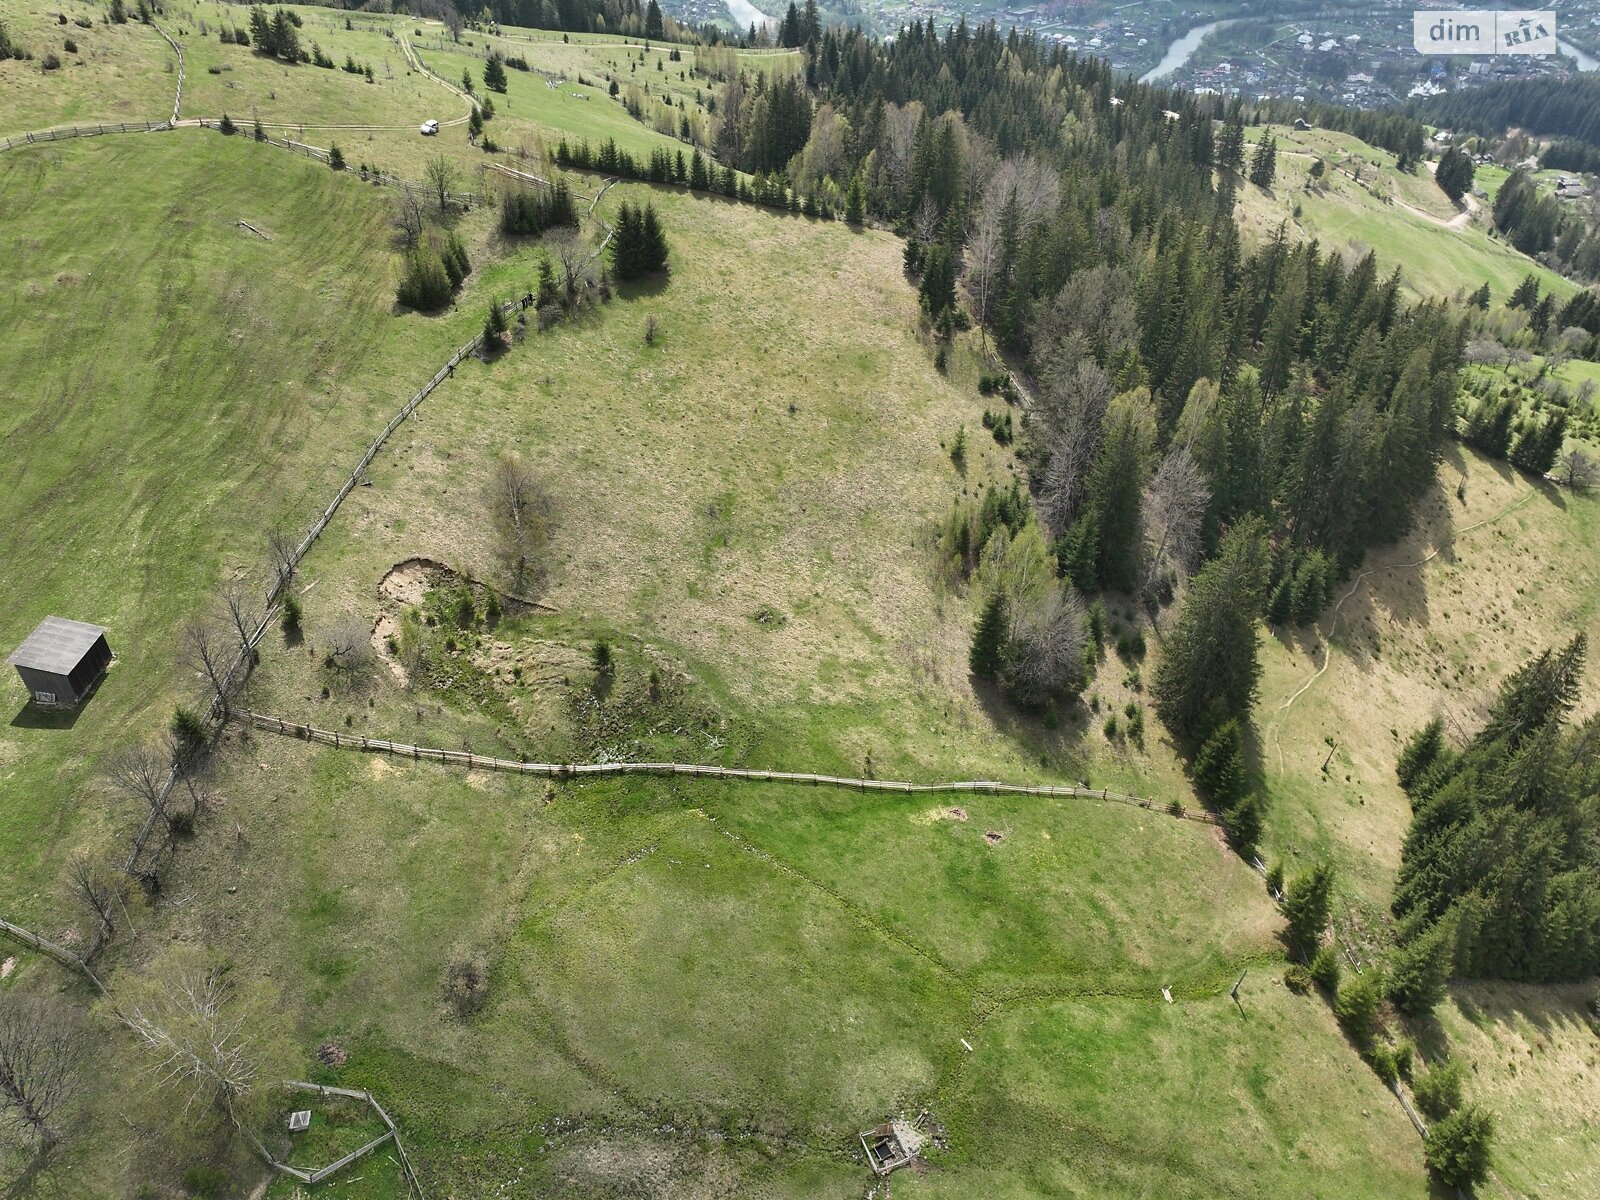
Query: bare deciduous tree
[(281, 547), (1175, 502), (1072, 408), (141, 772), (985, 258), (519, 508), (41, 1052), (1578, 471), (925, 222), (199, 1040), (347, 649), (207, 650), (239, 610), (102, 890), (1046, 648), (897, 144), (575, 260), (440, 173), (408, 216)]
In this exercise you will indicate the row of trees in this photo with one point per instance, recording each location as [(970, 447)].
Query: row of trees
[(533, 210)]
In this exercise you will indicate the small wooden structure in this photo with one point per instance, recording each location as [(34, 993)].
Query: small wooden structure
[(890, 1146), (61, 661)]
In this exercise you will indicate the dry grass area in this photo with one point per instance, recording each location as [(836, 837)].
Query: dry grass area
[(119, 73), (758, 493), (1508, 571), (1535, 1058)]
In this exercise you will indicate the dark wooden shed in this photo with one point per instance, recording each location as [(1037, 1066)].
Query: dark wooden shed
[(61, 661)]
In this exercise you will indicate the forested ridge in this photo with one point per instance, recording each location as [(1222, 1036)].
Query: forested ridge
[(1561, 108)]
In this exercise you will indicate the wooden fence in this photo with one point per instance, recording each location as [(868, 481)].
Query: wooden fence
[(80, 131), (391, 1134), (465, 758), (177, 100), (45, 946)]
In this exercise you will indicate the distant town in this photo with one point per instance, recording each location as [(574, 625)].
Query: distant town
[(1355, 55)]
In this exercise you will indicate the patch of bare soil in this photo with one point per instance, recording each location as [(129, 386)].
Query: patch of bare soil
[(383, 629), (956, 813), (407, 582), (993, 837), (8, 966)]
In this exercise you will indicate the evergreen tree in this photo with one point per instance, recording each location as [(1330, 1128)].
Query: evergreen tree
[(1526, 294), (1306, 903), (1454, 173), (987, 656), (261, 31), (938, 288), (1264, 163), (285, 39), (1419, 970), (494, 72), (654, 26), (789, 33), (1230, 147), (1219, 770), (1209, 669), (1538, 446), (1116, 488), (855, 201), (653, 242), (494, 326), (1421, 752), (1457, 1148)]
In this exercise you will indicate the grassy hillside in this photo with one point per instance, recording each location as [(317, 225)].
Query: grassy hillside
[(690, 988), (1401, 218), (177, 403)]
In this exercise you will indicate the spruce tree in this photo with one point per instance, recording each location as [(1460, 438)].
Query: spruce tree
[(1526, 294), (1209, 668), (855, 204), (1306, 903), (1457, 1148), (494, 72), (494, 326), (1422, 750), (652, 242), (654, 26), (989, 638), (1264, 165), (1116, 488), (1419, 970), (1219, 770)]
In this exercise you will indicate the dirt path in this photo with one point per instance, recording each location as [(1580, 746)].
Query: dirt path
[(1326, 643)]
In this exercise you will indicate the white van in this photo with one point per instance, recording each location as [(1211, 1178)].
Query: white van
[(428, 128)]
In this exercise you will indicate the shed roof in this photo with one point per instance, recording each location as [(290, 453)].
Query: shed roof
[(56, 645)]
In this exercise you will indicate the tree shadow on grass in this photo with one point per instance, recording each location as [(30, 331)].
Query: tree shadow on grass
[(1058, 749)]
